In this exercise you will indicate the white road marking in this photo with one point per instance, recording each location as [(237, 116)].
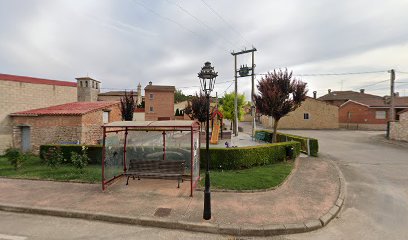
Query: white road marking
[(11, 237)]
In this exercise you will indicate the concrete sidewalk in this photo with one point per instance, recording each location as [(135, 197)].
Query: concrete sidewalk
[(309, 199)]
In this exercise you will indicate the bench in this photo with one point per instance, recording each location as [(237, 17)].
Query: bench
[(164, 169), (260, 136)]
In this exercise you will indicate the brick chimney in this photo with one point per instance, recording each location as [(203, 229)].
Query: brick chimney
[(329, 90), (362, 90), (314, 94)]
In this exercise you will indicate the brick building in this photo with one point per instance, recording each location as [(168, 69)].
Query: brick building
[(77, 122), (337, 98), (19, 93), (312, 114), (399, 129), (159, 102), (369, 114)]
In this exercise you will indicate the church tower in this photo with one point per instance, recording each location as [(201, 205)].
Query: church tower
[(139, 93)]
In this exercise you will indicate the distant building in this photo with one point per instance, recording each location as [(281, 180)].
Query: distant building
[(70, 123), (159, 102), (369, 114), (20, 93), (117, 95), (339, 97), (312, 114)]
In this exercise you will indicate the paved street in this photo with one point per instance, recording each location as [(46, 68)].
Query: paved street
[(376, 175), (376, 205)]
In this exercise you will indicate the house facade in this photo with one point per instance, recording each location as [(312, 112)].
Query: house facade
[(159, 102), (20, 93), (399, 129), (77, 122), (368, 114), (312, 114)]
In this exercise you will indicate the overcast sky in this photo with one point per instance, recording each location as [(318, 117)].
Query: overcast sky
[(124, 42)]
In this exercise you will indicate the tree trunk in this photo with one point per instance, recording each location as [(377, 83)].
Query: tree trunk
[(275, 130)]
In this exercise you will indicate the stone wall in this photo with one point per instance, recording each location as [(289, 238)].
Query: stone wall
[(47, 130), (20, 96), (321, 116), (399, 130)]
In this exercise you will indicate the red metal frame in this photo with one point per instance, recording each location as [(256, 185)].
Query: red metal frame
[(195, 127)]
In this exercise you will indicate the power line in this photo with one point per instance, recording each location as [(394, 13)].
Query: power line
[(225, 21), (330, 74), (373, 84), (199, 21)]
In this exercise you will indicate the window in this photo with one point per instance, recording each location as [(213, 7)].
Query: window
[(105, 117), (93, 84), (86, 83), (96, 85), (306, 116), (151, 96), (80, 83), (151, 109), (380, 114), (349, 115)]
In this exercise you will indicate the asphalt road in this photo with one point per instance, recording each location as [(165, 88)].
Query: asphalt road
[(376, 175), (376, 205)]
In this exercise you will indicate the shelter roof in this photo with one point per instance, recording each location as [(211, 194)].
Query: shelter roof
[(154, 124)]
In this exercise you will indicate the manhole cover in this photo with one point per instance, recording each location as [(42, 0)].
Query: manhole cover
[(162, 212)]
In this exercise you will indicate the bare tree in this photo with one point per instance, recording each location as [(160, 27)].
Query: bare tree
[(127, 106), (279, 94)]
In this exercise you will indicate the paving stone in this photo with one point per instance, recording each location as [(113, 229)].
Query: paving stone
[(313, 225)]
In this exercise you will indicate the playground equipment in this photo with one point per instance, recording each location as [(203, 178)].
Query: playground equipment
[(216, 122), (215, 133)]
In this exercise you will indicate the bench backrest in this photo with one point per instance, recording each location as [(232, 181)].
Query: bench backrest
[(160, 166)]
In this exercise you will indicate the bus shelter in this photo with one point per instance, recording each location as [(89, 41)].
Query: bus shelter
[(126, 141)]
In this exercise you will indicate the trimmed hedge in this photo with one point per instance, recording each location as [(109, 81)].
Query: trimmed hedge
[(94, 151), (246, 157), (283, 137)]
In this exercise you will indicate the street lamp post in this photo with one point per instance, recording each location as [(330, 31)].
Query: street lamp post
[(207, 77)]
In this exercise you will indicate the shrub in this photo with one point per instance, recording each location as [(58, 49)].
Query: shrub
[(283, 137), (15, 157), (53, 157), (80, 160), (94, 152), (246, 157)]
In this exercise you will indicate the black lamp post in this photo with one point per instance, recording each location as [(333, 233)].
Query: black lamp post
[(207, 77)]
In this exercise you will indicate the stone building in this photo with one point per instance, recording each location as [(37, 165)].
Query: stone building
[(312, 114), (88, 89), (159, 102), (20, 93), (70, 123), (117, 95), (399, 129)]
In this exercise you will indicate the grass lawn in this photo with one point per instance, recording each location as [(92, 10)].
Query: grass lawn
[(263, 177), (33, 168)]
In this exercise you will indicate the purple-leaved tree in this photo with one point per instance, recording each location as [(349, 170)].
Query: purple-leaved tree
[(279, 94)]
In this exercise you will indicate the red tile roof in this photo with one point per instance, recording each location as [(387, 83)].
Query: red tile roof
[(74, 108), (347, 95), (139, 110), (14, 78), (401, 102)]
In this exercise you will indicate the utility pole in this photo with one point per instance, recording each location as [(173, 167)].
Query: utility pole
[(391, 117), (244, 72), (235, 130), (392, 105), (253, 109)]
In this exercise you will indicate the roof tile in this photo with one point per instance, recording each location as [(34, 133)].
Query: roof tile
[(15, 78)]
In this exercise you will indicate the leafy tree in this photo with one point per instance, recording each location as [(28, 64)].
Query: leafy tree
[(127, 106), (15, 157), (197, 108), (141, 105), (228, 106), (179, 96), (279, 94)]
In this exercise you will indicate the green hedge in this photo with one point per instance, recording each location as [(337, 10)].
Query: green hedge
[(283, 137), (94, 151), (246, 157)]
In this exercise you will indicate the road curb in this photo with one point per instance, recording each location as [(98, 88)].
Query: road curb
[(227, 229)]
